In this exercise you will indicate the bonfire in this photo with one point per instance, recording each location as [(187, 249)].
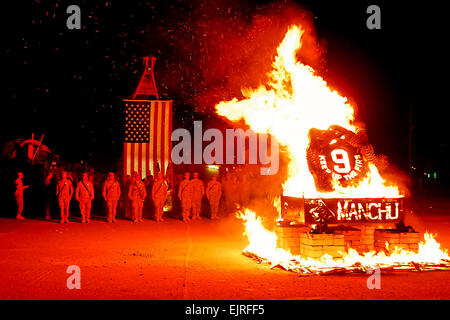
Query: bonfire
[(299, 109)]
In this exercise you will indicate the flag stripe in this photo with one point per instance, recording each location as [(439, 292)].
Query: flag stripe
[(170, 135), (125, 157), (147, 160), (152, 141), (144, 158), (155, 139), (135, 158), (138, 160), (161, 136), (132, 157), (166, 136), (170, 143)]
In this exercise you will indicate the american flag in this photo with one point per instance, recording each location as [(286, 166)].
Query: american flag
[(147, 141)]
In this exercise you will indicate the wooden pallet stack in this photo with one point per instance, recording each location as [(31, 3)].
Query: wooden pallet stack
[(352, 236), (289, 237), (367, 238), (316, 245)]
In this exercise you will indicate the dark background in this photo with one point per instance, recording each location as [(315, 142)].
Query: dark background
[(68, 84)]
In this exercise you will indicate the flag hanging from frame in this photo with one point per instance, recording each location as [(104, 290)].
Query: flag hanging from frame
[(147, 136)]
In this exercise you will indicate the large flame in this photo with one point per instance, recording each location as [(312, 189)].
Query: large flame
[(294, 100), (263, 244)]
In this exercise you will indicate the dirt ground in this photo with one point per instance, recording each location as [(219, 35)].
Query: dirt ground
[(175, 260)]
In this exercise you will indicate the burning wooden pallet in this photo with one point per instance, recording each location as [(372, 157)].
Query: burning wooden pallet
[(296, 266)]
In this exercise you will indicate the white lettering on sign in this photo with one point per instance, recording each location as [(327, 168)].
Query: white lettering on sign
[(354, 213), (389, 213), (376, 205), (358, 163), (323, 163), (342, 211), (336, 176), (351, 175), (362, 210), (351, 210), (342, 168), (340, 157)]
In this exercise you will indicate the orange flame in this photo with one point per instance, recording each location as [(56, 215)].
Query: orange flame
[(263, 243), (294, 100)]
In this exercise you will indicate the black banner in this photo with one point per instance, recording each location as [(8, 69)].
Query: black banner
[(214, 309), (368, 210)]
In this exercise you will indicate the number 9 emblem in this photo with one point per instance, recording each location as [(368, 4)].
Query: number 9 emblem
[(333, 157), (341, 161)]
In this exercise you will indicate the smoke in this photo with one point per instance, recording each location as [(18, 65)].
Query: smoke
[(208, 50), (261, 193), (398, 177), (240, 51)]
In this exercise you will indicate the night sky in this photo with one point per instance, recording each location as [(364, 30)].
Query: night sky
[(68, 84)]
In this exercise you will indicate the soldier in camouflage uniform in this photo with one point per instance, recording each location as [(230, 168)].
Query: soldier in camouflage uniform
[(111, 194), (64, 193), (137, 194), (148, 203), (198, 191), (159, 196), (19, 195), (185, 195), (49, 192), (213, 193), (84, 194)]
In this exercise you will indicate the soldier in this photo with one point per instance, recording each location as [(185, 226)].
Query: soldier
[(91, 176), (126, 201), (137, 195), (213, 193), (69, 176), (235, 195), (64, 192), (111, 194), (148, 203), (176, 187), (198, 190), (227, 184), (185, 195), (84, 194), (148, 181), (159, 196), (19, 195), (49, 192)]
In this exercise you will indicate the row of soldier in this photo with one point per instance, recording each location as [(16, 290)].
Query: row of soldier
[(190, 193)]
